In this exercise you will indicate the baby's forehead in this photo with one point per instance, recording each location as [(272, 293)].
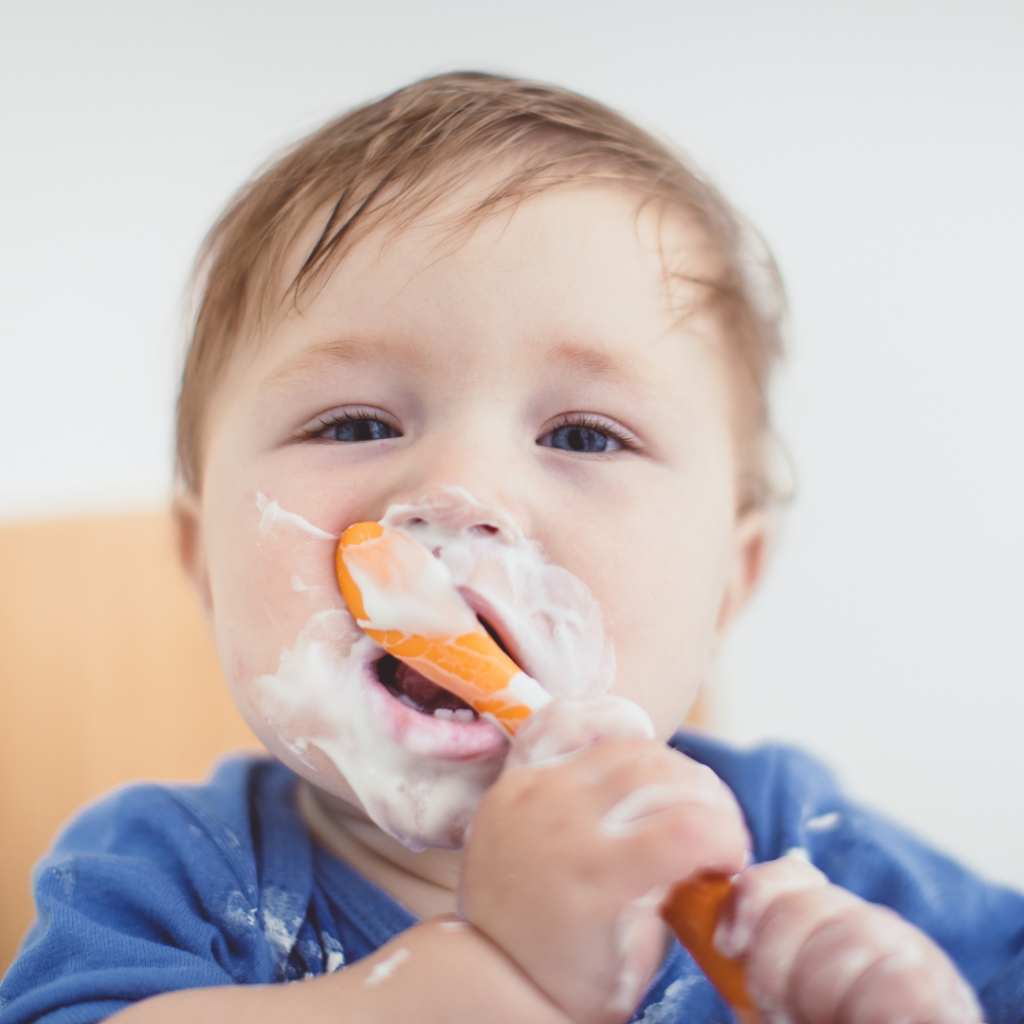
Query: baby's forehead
[(476, 216)]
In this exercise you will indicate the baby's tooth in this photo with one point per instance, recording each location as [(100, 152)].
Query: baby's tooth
[(464, 714), (446, 713)]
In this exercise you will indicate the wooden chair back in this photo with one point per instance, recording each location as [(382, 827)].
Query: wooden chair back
[(107, 674)]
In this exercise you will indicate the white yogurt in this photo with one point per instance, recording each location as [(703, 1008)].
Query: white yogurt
[(548, 616), (325, 701)]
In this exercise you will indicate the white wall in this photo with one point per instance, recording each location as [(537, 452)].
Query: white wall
[(879, 146)]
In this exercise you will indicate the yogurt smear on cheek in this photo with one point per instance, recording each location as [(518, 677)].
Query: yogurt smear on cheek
[(418, 777), (324, 698)]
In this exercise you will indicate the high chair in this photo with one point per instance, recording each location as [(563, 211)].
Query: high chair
[(107, 674)]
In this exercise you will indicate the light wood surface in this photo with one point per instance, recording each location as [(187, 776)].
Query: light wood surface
[(106, 675)]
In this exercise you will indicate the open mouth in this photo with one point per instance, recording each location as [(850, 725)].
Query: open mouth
[(416, 691)]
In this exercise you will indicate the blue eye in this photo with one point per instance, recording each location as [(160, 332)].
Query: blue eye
[(576, 437), (361, 428)]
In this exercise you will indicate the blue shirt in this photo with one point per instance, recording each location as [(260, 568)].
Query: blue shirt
[(158, 888)]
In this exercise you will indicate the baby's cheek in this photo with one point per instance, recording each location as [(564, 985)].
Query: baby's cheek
[(272, 587), (304, 697), (662, 620), (266, 590)]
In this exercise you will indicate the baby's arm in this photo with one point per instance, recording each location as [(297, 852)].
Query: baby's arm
[(816, 953), (139, 912), (438, 972)]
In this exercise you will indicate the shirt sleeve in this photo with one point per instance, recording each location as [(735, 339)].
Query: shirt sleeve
[(146, 892), (792, 802)]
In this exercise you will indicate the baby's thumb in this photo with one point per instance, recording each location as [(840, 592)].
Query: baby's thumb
[(570, 724)]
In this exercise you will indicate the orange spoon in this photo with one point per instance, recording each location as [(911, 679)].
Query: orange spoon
[(400, 596)]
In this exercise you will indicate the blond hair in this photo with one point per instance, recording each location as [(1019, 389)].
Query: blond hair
[(389, 160)]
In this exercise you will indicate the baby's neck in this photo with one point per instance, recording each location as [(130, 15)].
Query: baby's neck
[(423, 882)]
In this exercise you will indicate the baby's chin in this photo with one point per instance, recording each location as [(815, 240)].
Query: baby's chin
[(435, 816), (327, 714), (429, 805)]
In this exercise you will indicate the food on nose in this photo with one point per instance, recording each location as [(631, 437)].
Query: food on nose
[(403, 597)]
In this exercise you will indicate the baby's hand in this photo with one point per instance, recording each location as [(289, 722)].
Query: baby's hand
[(572, 853), (817, 954)]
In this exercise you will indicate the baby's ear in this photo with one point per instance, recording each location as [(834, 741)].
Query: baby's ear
[(187, 509), (750, 554)]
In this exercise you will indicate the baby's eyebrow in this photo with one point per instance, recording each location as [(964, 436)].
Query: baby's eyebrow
[(349, 350), (594, 362), (579, 360)]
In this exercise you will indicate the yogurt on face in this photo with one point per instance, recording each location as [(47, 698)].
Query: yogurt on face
[(547, 616), (325, 700), (419, 777)]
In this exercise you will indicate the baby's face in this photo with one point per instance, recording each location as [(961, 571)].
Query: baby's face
[(533, 389)]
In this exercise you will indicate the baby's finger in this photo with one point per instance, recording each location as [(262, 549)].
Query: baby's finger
[(570, 724), (671, 830), (840, 952), (753, 892), (779, 936), (827, 957), (874, 968), (634, 811), (586, 786)]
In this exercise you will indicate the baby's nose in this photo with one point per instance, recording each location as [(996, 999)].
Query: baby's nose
[(451, 511)]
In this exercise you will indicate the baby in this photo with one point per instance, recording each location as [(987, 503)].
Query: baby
[(512, 325)]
